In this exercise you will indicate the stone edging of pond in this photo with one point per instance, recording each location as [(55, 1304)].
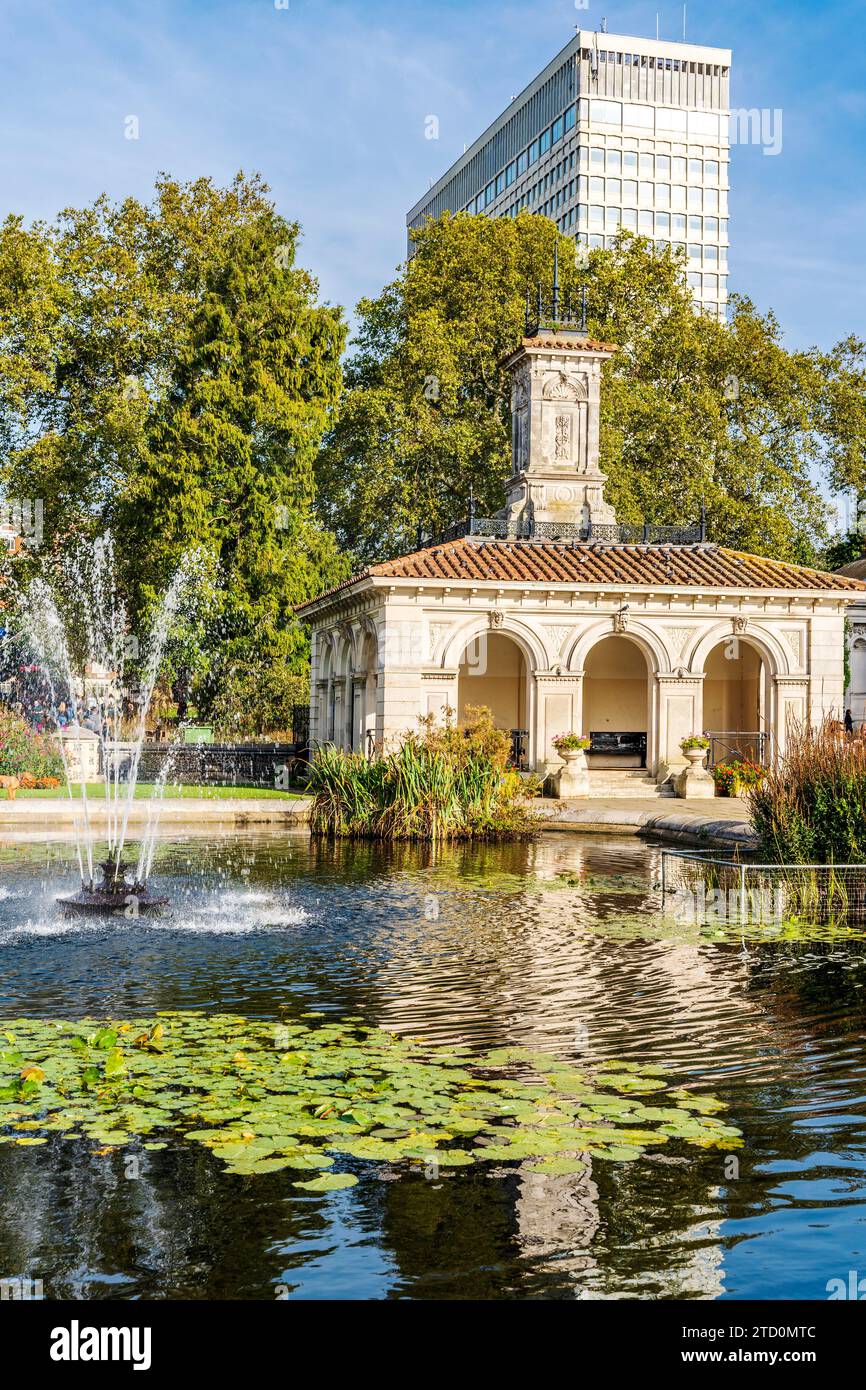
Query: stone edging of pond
[(35, 813), (682, 826)]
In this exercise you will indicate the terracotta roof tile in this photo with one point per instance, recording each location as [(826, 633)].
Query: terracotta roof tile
[(600, 564)]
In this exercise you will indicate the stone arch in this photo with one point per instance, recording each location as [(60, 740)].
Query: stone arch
[(367, 664), (536, 654), (768, 646), (495, 672), (658, 657), (619, 695)]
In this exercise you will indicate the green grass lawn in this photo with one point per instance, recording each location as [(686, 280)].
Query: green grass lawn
[(96, 790)]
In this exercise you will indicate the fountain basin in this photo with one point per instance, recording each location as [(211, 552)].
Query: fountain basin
[(114, 894)]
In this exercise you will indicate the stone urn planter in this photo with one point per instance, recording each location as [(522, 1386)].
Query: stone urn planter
[(694, 782), (573, 778)]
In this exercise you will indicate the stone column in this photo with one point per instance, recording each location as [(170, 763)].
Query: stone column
[(358, 681), (790, 706), (338, 684), (439, 691), (318, 713), (680, 713), (559, 709)]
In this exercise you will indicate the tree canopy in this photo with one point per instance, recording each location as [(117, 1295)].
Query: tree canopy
[(167, 372), (693, 411)]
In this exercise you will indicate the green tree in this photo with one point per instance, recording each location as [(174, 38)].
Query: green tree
[(693, 411), (167, 372)]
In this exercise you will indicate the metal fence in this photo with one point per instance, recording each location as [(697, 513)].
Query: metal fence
[(738, 746), (709, 886)]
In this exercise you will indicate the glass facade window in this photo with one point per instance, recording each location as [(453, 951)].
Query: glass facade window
[(629, 191), (583, 157), (646, 166), (695, 279), (614, 190), (711, 226), (544, 142), (646, 194), (695, 251), (570, 117), (711, 200), (711, 256), (678, 225), (596, 216), (582, 212), (614, 161), (596, 242), (510, 174), (489, 194), (663, 195), (711, 171), (522, 162), (663, 223), (596, 159), (695, 227), (500, 182), (533, 152), (663, 166), (696, 170), (645, 222), (696, 197), (678, 197), (596, 188), (678, 169), (629, 219), (557, 129), (711, 284)]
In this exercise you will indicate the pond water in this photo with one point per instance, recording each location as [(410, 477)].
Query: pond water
[(559, 944)]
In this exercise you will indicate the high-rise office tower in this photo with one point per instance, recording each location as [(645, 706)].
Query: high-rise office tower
[(615, 132)]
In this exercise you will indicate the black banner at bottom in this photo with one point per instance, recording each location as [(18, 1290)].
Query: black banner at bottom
[(81, 1339)]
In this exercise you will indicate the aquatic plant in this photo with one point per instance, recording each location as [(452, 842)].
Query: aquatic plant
[(442, 783), (811, 807), (269, 1096)]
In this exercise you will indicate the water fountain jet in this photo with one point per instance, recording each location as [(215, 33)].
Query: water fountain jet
[(44, 632)]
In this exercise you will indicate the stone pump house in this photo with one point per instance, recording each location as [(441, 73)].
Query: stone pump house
[(559, 619)]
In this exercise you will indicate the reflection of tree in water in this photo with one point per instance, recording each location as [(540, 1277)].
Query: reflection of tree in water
[(182, 1229)]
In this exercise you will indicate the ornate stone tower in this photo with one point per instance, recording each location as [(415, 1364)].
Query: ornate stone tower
[(555, 475)]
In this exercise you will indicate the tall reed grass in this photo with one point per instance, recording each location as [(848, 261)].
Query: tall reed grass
[(811, 808), (440, 783)]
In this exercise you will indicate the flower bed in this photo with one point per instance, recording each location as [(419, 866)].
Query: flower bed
[(25, 753), (737, 776)]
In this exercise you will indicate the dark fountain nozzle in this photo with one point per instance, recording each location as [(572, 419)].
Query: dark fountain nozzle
[(114, 893)]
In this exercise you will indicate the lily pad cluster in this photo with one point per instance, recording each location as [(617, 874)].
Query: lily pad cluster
[(301, 1095)]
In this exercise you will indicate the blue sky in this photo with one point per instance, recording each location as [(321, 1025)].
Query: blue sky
[(328, 99)]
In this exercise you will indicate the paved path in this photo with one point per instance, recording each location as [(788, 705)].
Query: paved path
[(719, 824), (36, 812)]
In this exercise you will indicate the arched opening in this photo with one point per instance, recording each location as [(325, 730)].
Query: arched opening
[(735, 702), (365, 696), (855, 696), (493, 672), (616, 703)]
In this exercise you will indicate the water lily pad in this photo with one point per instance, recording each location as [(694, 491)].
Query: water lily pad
[(328, 1182)]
